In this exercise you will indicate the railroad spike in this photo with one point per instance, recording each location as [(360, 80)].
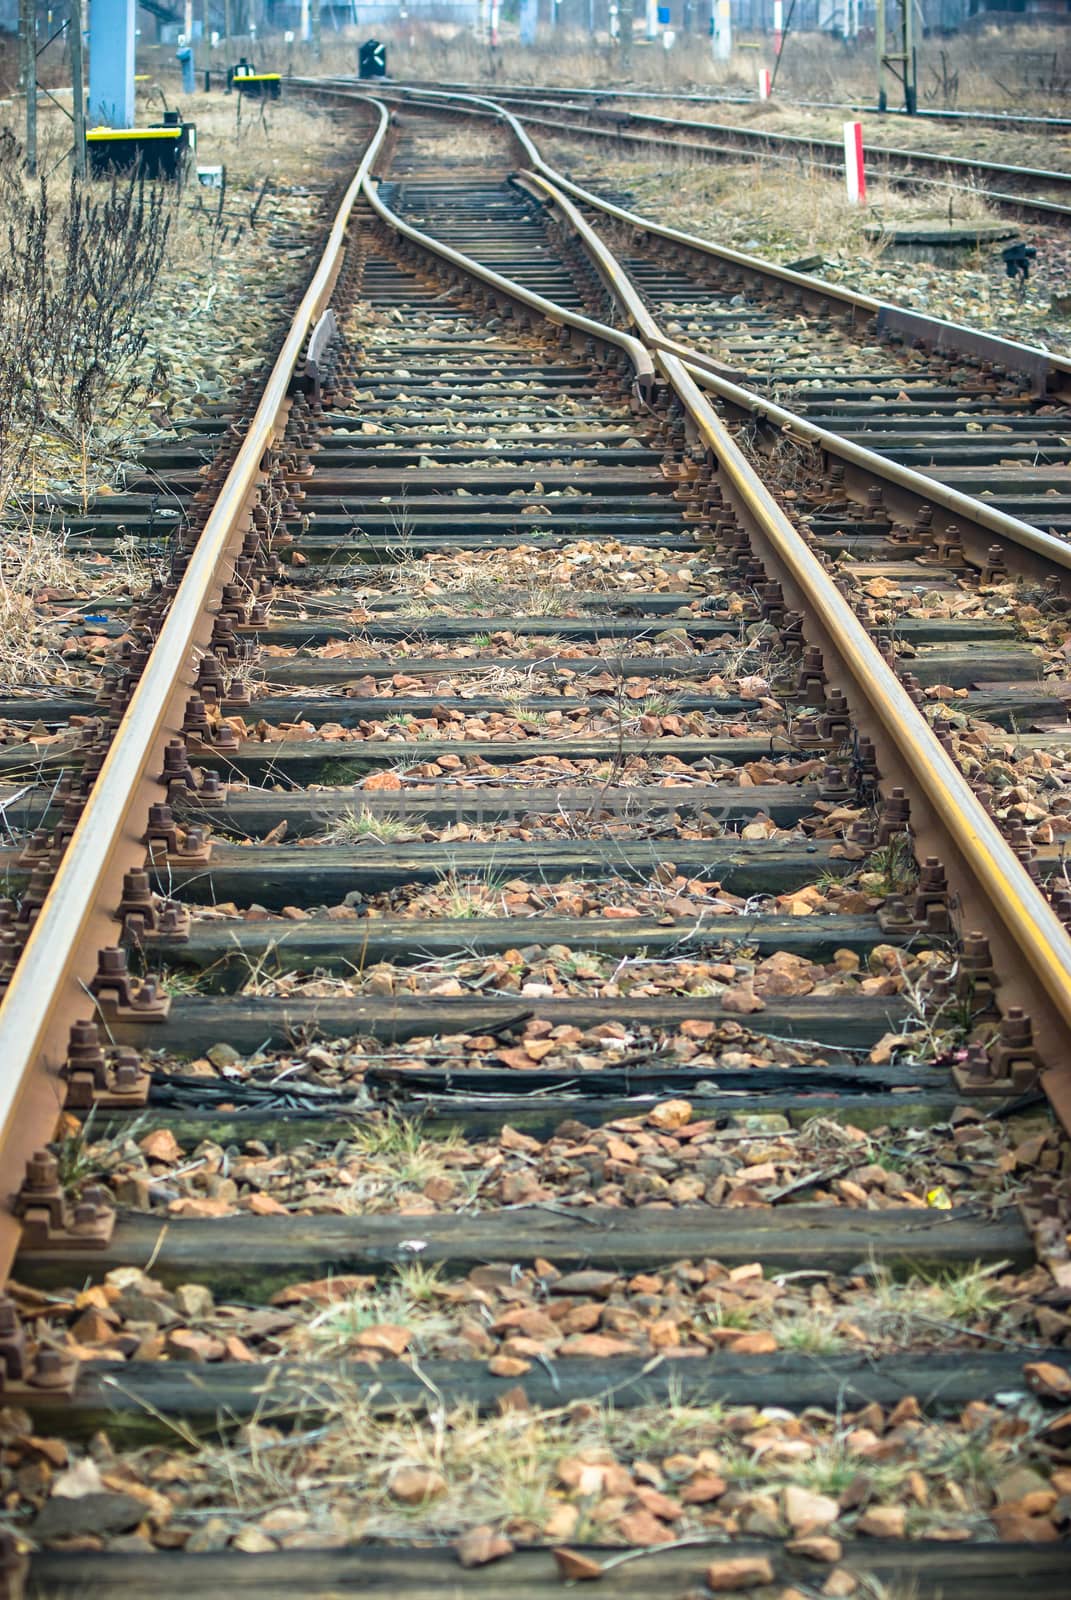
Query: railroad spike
[(146, 916), (108, 1080), (995, 569), (835, 722), (976, 979), (122, 997), (930, 907), (895, 817), (50, 1221), (1013, 1061), (948, 546)]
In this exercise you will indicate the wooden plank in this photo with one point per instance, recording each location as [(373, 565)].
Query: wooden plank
[(248, 1258), (194, 1023), (277, 875), (281, 1124), (927, 1568), (240, 810), (224, 946), (963, 670), (309, 759), (132, 1399), (306, 813), (350, 710), (651, 1079), (312, 630)]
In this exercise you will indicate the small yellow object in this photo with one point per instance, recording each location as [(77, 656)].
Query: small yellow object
[(938, 1199)]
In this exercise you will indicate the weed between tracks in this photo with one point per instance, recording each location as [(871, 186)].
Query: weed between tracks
[(339, 1470)]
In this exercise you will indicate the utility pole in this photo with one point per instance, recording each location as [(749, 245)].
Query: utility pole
[(28, 41), (226, 19), (78, 88), (317, 31), (624, 25), (111, 62), (902, 62)]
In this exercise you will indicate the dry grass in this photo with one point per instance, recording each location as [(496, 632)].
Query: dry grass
[(1024, 69), (337, 1462), (290, 139), (782, 212), (510, 583), (32, 559), (356, 825), (473, 142), (197, 333)]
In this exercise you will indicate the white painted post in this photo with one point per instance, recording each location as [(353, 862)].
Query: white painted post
[(723, 30), (111, 62), (778, 25), (651, 20), (854, 175), (764, 83), (496, 9), (306, 21)]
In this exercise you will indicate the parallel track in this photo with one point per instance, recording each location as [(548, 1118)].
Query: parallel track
[(1042, 194), (999, 119), (515, 636)]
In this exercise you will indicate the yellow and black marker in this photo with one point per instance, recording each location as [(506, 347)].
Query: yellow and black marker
[(159, 152), (247, 80)]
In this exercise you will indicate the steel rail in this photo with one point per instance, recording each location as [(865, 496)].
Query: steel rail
[(898, 166), (509, 289), (958, 335), (923, 114), (1039, 551), (1032, 949), (1033, 552), (1014, 352), (47, 992), (758, 136)]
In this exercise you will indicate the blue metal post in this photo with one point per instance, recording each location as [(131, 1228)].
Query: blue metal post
[(111, 62), (185, 56)]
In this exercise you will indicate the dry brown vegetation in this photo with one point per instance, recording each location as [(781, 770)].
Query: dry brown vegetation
[(1016, 69), (124, 305)]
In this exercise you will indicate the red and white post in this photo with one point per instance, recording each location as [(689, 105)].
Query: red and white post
[(854, 175), (778, 25), (764, 83)]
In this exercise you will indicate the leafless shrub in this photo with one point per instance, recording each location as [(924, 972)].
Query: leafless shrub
[(76, 278)]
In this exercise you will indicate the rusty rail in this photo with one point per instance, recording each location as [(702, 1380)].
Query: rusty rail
[(1031, 947), (1038, 364), (1032, 552), (900, 167), (950, 822), (48, 991)]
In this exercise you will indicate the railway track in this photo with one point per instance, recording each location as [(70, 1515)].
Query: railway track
[(511, 756), (999, 119), (980, 414), (1041, 194)]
